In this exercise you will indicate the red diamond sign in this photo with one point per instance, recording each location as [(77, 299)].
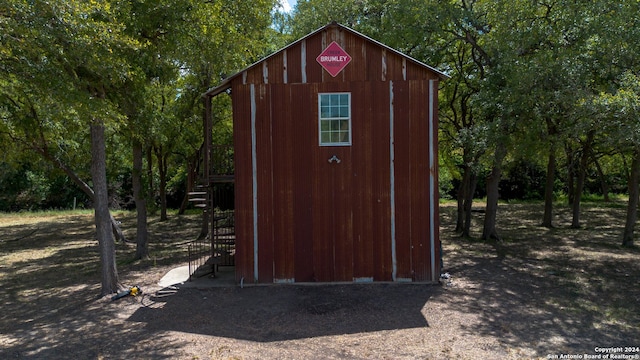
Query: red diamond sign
[(333, 59)]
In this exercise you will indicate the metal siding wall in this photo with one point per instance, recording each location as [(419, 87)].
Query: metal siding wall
[(322, 213), (343, 216), (356, 71), (381, 220), (394, 66), (283, 178), (303, 233), (304, 137), (314, 70), (374, 63), (362, 169), (294, 64), (243, 186), (403, 189), (265, 184), (276, 68), (343, 198), (419, 156), (435, 229)]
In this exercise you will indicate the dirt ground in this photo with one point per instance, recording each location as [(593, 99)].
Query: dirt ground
[(539, 293)]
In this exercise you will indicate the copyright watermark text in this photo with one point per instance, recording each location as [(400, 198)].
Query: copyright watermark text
[(618, 352)]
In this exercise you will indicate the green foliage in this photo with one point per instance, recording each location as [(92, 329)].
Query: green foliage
[(536, 76)]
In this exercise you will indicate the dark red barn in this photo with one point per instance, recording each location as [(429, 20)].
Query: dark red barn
[(335, 147)]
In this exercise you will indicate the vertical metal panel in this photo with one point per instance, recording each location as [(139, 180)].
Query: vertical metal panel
[(265, 72), (356, 70), (264, 171), (285, 73), (433, 181), (404, 69), (380, 169), (383, 68), (276, 68), (419, 179), (313, 49), (243, 186), (253, 75), (284, 172), (303, 60), (342, 214), (392, 185), (342, 192), (363, 195), (373, 62), (415, 72), (294, 64), (254, 181), (322, 212), (303, 136), (394, 66), (402, 186)]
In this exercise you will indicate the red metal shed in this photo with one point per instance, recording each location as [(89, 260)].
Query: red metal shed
[(335, 146)]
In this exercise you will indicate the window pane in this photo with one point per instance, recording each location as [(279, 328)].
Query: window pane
[(325, 111), (335, 125), (344, 99), (325, 125), (344, 111), (325, 100)]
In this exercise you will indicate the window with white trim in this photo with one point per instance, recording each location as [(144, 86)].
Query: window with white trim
[(334, 124)]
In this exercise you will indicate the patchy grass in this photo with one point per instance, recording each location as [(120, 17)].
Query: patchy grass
[(539, 291), (44, 255), (565, 288)]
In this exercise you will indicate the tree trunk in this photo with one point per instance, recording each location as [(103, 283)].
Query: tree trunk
[(582, 174), (115, 227), (461, 195), (632, 206), (603, 182), (142, 247), (110, 282), (162, 169), (570, 174), (468, 202), (547, 217), (150, 191), (493, 181)]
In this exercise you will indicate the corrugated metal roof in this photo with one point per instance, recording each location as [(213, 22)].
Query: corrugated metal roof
[(226, 83)]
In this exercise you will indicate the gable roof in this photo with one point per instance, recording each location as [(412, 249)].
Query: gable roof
[(226, 83)]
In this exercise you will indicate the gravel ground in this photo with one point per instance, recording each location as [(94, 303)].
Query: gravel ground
[(500, 303)]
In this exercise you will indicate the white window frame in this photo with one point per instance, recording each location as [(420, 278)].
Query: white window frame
[(330, 119)]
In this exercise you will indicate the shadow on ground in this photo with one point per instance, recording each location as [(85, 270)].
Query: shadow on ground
[(277, 313), (555, 291)]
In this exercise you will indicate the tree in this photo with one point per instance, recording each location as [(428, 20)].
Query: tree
[(74, 53), (621, 109), (110, 281)]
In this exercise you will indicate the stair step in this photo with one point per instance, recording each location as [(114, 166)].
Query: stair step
[(197, 199), (198, 193), (200, 205)]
